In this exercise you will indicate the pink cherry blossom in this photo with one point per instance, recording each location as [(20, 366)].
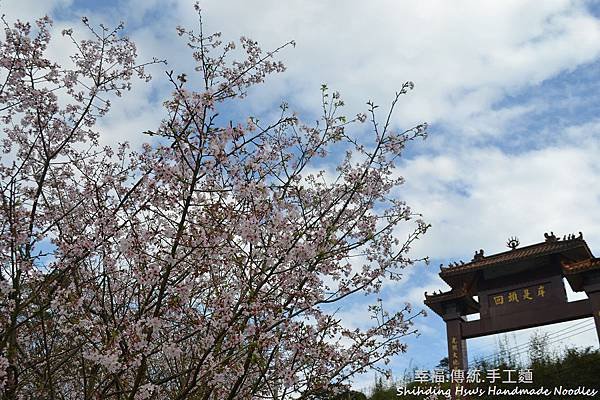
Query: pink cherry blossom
[(206, 264)]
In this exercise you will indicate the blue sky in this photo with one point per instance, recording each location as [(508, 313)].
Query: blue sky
[(510, 89)]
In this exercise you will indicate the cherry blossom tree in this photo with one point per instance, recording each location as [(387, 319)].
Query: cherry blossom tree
[(205, 264)]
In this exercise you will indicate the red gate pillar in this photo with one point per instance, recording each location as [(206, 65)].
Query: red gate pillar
[(592, 290), (595, 304)]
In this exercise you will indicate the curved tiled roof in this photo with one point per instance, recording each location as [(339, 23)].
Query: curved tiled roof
[(449, 295), (534, 250), (580, 266), (461, 295)]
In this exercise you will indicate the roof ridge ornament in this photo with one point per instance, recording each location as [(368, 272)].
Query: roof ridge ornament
[(551, 237), (573, 237), (513, 242), (478, 255)]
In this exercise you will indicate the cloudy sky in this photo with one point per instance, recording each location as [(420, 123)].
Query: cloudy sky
[(511, 90)]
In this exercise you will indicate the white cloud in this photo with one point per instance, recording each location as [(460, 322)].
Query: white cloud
[(29, 10), (478, 198), (463, 56), (466, 54)]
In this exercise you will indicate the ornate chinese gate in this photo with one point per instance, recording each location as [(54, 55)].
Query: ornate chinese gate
[(517, 289)]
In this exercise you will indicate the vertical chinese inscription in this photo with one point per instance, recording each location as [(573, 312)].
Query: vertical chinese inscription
[(455, 351)]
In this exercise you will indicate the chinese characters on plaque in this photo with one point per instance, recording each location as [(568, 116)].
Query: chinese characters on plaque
[(522, 295)]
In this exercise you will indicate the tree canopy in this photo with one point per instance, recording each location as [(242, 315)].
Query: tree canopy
[(206, 263)]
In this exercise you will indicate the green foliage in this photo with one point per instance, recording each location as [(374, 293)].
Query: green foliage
[(576, 367), (443, 364), (572, 368)]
